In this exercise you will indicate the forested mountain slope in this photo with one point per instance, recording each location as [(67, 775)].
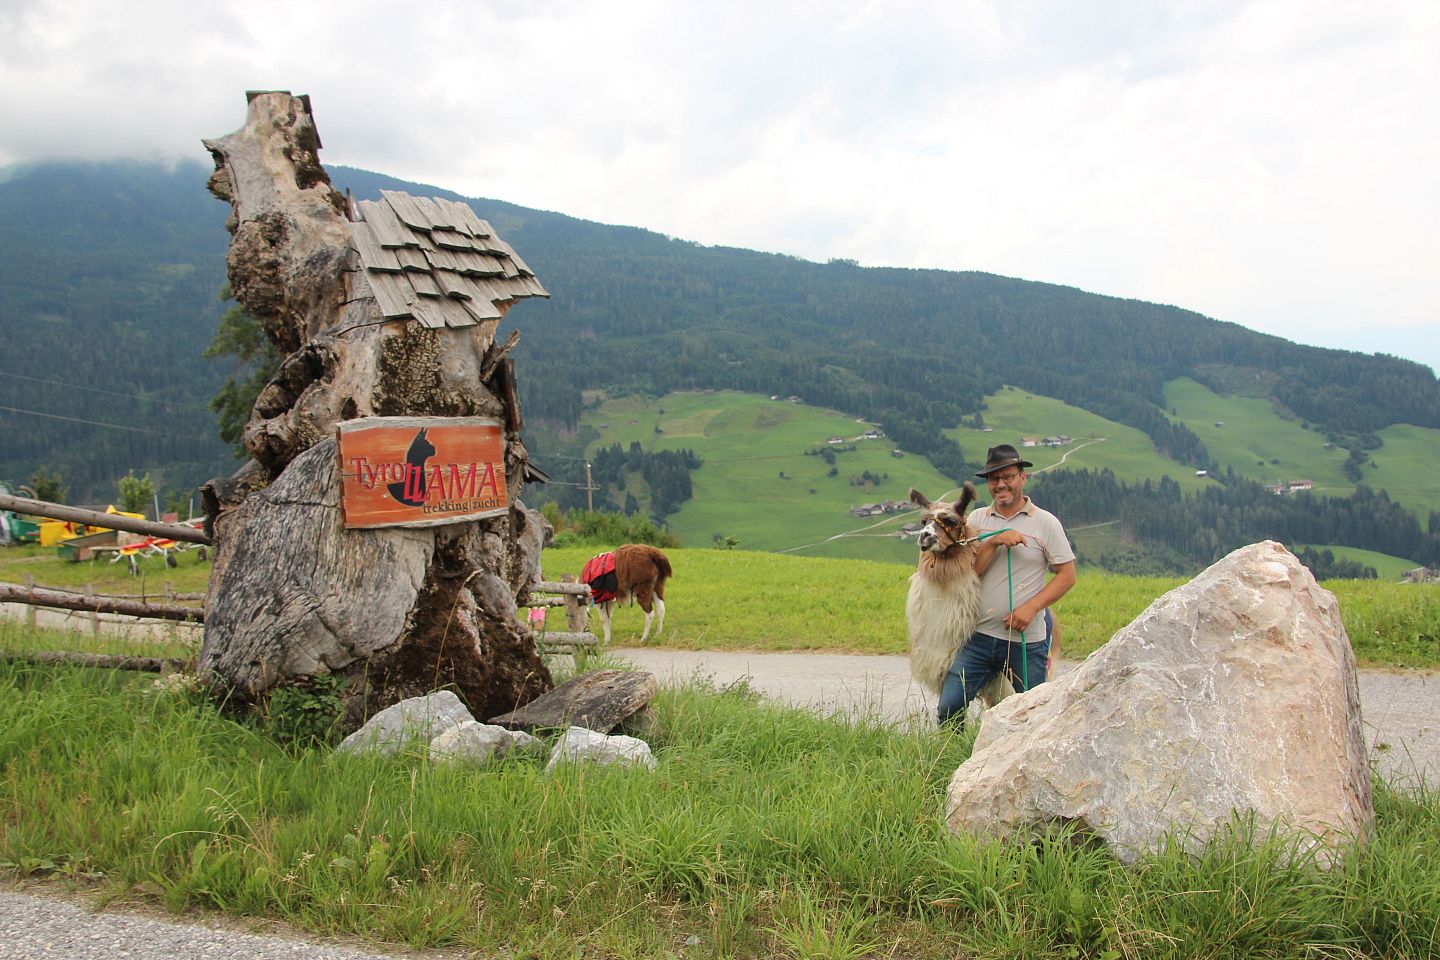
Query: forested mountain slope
[(111, 275)]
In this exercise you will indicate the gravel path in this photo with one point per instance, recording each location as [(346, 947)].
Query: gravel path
[(33, 927)]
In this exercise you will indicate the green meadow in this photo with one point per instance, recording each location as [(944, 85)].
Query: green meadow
[(1260, 444), (1386, 566), (738, 600), (758, 485), (746, 600), (1095, 442)]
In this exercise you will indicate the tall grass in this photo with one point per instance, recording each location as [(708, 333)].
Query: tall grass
[(765, 831)]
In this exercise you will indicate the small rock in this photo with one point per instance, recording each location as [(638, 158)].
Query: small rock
[(419, 718), (472, 742), (580, 744)]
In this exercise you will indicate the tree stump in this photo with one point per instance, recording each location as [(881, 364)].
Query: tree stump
[(293, 593)]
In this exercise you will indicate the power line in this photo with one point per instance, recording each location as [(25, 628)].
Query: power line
[(111, 426), (108, 393)]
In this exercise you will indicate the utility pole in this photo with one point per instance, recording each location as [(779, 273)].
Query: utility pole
[(589, 489)]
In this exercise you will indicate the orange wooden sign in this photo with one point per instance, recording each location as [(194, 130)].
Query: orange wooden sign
[(421, 471)]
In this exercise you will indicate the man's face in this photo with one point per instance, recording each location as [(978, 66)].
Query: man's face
[(1007, 488)]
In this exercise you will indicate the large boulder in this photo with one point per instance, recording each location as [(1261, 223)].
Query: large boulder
[(1233, 696)]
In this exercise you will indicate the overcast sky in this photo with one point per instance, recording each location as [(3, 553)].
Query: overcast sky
[(1272, 163)]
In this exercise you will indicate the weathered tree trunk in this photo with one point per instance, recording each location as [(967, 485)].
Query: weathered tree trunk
[(294, 593)]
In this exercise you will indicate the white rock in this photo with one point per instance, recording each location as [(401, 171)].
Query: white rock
[(1233, 695), (579, 743), (525, 744), (472, 742), (419, 718)]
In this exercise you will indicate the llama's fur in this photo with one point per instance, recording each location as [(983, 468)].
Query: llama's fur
[(943, 606), (640, 573)]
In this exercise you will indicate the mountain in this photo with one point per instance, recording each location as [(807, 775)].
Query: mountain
[(108, 296)]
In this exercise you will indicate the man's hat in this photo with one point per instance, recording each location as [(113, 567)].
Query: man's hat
[(998, 458)]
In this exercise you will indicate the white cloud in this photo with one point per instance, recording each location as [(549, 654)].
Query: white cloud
[(1266, 162)]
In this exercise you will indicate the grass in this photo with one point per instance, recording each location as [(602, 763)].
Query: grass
[(740, 600), (747, 442), (190, 575), (765, 831), (1253, 436), (1386, 566), (737, 600), (1096, 443)]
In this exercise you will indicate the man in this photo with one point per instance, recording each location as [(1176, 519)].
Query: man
[(1015, 598)]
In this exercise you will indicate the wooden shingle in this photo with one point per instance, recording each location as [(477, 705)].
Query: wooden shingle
[(410, 258), (435, 261)]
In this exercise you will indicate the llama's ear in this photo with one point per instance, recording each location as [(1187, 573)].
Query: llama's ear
[(918, 498), (967, 497)]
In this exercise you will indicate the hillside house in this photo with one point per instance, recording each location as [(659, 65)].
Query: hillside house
[(836, 440), (1028, 441), (872, 434)]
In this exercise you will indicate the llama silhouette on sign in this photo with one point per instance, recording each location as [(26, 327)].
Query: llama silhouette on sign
[(411, 490)]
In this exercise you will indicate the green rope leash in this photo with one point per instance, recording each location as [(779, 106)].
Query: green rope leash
[(1010, 583)]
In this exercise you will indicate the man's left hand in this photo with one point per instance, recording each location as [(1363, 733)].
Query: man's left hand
[(1019, 618)]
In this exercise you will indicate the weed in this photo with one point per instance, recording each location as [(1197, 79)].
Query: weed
[(306, 714)]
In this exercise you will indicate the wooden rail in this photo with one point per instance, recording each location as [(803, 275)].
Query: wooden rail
[(94, 518), (107, 661), (573, 597), (97, 603)]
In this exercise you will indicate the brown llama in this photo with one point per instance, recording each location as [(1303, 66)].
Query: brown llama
[(638, 575)]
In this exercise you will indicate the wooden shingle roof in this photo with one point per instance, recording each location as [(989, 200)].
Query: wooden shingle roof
[(435, 261)]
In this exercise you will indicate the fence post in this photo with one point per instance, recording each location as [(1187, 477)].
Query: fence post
[(171, 628), (95, 615), (30, 608), (577, 612)]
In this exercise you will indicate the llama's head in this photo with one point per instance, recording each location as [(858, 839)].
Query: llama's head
[(943, 525)]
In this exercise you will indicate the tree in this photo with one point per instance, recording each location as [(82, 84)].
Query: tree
[(297, 595), (256, 360), (136, 493), (47, 486)]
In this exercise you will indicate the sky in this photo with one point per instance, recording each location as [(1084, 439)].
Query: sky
[(1273, 163)]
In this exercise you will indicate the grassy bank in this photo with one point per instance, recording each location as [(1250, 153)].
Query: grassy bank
[(764, 832)]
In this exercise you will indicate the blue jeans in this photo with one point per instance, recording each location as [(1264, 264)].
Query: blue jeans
[(984, 656)]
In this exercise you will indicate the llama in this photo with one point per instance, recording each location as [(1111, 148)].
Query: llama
[(638, 575), (411, 490), (943, 606)]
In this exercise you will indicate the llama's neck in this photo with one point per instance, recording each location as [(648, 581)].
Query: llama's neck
[(956, 563)]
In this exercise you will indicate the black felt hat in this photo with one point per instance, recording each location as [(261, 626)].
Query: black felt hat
[(998, 458)]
